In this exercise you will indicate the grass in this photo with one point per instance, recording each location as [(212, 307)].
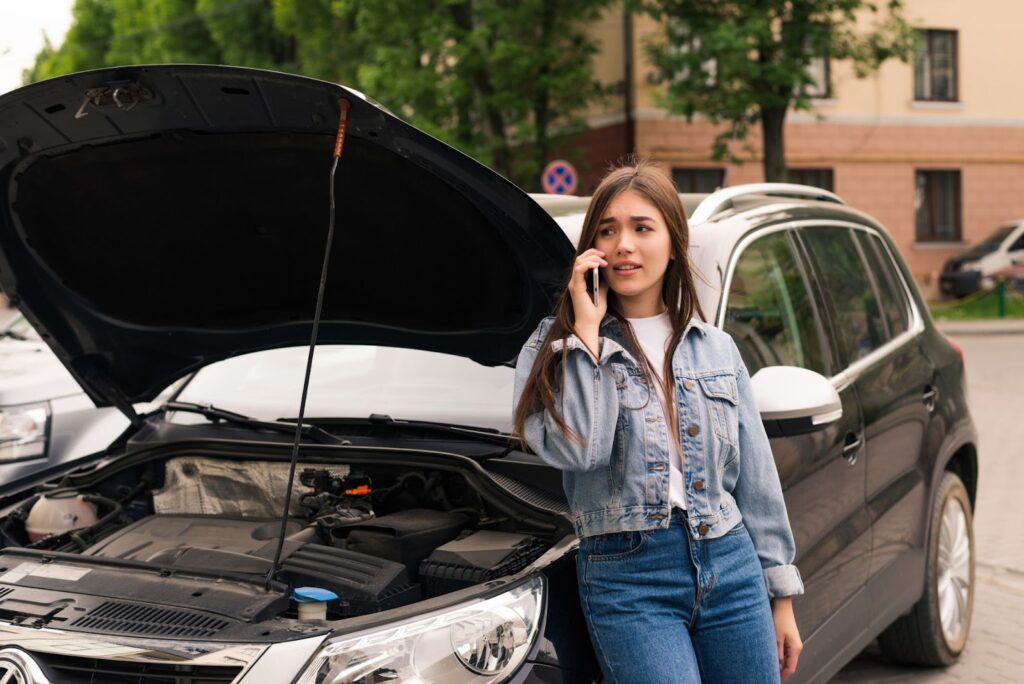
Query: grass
[(978, 307)]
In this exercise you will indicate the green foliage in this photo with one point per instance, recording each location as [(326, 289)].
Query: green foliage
[(502, 80), (746, 61)]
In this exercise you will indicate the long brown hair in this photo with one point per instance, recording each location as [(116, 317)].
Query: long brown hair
[(678, 293)]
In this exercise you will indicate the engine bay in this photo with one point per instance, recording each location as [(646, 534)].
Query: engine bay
[(189, 541)]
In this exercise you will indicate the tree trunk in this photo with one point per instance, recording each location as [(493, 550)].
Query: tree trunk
[(501, 158), (773, 122)]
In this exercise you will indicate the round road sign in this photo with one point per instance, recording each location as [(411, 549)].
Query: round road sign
[(559, 178)]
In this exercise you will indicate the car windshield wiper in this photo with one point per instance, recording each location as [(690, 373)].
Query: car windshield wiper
[(312, 432), (488, 435), (13, 335)]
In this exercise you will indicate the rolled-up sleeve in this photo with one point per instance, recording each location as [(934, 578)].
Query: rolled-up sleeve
[(758, 493), (587, 400)]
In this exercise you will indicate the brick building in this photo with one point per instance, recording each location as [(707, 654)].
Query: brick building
[(934, 149)]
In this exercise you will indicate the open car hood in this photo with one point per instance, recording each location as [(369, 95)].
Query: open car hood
[(156, 219)]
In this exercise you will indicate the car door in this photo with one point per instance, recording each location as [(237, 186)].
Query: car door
[(775, 320), (894, 380)]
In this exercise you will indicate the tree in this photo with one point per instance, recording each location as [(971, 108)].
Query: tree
[(746, 61), (504, 81)]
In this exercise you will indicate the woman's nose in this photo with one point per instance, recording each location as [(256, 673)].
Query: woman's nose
[(625, 245)]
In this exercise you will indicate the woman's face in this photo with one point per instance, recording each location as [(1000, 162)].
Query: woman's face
[(633, 235)]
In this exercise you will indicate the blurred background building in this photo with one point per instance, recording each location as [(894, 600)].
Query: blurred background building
[(933, 149)]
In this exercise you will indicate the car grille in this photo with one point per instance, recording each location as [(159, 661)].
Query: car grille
[(131, 618), (79, 670)]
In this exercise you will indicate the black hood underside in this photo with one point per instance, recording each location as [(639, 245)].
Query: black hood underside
[(149, 241)]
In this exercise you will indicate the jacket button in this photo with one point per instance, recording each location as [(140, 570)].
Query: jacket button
[(698, 485), (693, 430), (703, 529), (688, 385), (652, 419)]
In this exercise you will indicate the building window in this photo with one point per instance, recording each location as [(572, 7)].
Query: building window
[(819, 70), (818, 178), (698, 180), (935, 68), (937, 206)]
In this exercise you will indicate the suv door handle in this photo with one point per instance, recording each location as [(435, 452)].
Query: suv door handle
[(851, 447), (929, 397)]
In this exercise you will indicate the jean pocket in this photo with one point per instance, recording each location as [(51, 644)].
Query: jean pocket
[(613, 546)]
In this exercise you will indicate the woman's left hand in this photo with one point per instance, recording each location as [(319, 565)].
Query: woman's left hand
[(787, 635)]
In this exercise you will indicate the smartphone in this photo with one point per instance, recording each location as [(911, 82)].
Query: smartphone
[(595, 289)]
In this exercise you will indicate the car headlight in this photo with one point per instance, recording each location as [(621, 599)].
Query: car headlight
[(970, 266), (480, 642), (23, 431)]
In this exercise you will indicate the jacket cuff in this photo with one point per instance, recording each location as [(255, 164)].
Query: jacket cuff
[(606, 346), (783, 580)]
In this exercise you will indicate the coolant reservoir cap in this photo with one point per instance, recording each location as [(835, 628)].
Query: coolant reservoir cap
[(311, 594)]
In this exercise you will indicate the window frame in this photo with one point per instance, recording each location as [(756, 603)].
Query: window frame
[(819, 169), (926, 42), (840, 378), (826, 93), (692, 170), (958, 208)]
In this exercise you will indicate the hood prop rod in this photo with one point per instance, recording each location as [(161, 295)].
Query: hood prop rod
[(339, 142)]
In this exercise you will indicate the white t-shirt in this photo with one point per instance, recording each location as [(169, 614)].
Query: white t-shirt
[(653, 334)]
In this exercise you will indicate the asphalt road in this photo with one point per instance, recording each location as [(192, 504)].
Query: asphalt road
[(995, 648)]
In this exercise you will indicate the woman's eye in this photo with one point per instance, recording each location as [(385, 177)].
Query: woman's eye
[(605, 232), (642, 227)]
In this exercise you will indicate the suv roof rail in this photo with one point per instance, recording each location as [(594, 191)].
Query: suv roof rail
[(720, 200)]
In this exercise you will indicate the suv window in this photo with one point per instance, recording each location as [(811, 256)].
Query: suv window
[(891, 294), (859, 326), (769, 312)]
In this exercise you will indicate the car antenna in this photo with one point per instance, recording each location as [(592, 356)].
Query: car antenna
[(339, 142)]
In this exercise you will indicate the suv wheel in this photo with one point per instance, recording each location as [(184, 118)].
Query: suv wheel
[(935, 630)]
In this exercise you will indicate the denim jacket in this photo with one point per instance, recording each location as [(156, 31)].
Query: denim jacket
[(616, 478)]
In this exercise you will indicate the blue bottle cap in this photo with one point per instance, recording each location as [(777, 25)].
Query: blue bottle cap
[(311, 594)]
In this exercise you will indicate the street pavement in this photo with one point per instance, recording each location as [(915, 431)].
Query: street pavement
[(994, 356)]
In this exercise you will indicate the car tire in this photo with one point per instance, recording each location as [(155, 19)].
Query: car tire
[(935, 631)]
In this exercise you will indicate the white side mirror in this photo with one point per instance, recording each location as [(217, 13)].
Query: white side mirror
[(795, 401)]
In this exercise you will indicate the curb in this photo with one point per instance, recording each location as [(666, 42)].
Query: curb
[(986, 327)]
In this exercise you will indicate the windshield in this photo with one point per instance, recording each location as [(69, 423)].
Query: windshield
[(355, 381), (997, 236)]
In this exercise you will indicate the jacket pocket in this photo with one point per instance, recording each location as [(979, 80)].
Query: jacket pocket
[(722, 401)]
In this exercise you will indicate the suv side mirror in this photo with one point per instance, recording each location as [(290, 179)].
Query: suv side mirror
[(794, 401)]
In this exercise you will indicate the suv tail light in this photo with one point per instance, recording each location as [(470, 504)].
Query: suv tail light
[(959, 351)]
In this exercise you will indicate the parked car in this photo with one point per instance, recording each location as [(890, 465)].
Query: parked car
[(975, 268), (46, 419), (179, 225)]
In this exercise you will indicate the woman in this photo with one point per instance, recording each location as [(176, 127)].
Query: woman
[(685, 561)]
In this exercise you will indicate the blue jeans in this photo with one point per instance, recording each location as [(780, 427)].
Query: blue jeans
[(664, 608)]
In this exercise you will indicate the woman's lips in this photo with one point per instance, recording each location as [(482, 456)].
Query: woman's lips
[(625, 273)]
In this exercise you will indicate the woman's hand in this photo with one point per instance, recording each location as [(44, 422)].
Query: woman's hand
[(588, 317), (787, 635)]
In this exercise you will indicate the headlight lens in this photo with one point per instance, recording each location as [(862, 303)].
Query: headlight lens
[(970, 266), (23, 431), (480, 642)]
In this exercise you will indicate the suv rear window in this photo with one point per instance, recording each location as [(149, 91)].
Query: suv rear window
[(769, 312), (859, 326), (891, 294)]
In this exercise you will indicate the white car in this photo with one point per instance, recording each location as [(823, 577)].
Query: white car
[(46, 419), (974, 269), (159, 220)]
